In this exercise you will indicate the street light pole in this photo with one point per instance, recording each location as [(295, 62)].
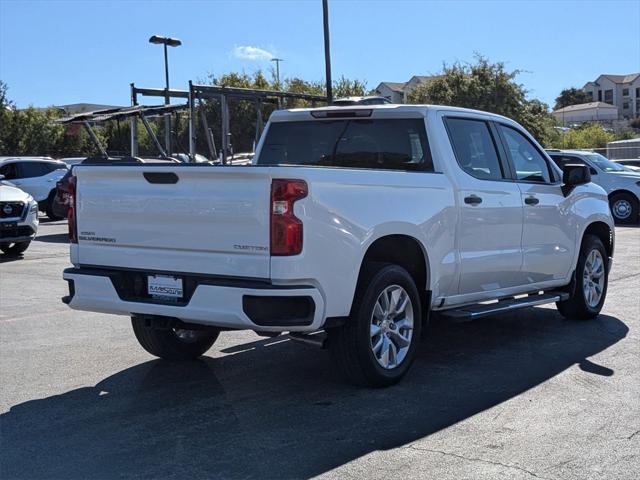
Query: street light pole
[(166, 42), (278, 60), (327, 52), (167, 101)]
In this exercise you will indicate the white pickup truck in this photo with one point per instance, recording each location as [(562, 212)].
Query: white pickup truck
[(350, 227)]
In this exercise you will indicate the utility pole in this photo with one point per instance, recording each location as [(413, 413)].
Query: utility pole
[(327, 52), (277, 60)]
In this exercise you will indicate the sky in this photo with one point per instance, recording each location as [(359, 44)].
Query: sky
[(60, 52)]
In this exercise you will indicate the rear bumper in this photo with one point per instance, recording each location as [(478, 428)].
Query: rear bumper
[(226, 304)]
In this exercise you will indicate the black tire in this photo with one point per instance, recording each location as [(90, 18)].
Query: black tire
[(578, 307), (14, 248), (167, 343), (351, 345), (624, 208)]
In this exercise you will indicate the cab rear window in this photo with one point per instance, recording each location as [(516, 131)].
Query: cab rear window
[(387, 144)]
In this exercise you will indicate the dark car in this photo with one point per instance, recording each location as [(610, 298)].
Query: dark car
[(60, 203)]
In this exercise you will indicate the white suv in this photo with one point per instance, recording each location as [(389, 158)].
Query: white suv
[(622, 184), (18, 219), (35, 175)]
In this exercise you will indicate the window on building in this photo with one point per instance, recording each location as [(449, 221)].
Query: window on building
[(625, 92), (625, 105), (599, 95), (608, 96), (638, 92)]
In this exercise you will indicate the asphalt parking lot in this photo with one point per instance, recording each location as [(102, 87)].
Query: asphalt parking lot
[(516, 396)]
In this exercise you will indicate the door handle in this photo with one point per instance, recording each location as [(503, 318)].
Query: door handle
[(473, 200), (531, 201)]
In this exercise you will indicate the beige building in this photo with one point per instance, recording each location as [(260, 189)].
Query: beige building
[(397, 92), (586, 112), (622, 91)]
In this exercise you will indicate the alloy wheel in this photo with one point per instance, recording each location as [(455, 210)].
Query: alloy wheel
[(391, 327)]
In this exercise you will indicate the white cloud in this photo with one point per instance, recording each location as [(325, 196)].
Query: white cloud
[(252, 53)]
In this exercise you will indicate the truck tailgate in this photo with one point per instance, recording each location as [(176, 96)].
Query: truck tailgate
[(183, 218)]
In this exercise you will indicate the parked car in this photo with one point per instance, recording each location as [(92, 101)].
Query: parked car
[(185, 158), (37, 176), (621, 183), (18, 219), (632, 163), (352, 225)]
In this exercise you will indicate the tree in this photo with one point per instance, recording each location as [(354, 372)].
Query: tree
[(588, 135), (349, 88), (571, 96), (487, 86)]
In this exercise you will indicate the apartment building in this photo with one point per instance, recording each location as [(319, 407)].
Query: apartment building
[(622, 91)]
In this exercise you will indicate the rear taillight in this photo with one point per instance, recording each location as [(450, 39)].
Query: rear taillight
[(286, 228), (71, 211)]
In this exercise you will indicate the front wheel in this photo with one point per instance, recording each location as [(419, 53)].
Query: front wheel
[(378, 343), (173, 343), (14, 248), (624, 208), (591, 282)]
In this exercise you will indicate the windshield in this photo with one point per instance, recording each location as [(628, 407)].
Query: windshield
[(392, 144), (603, 163)]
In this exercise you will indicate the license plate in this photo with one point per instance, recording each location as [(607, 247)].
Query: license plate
[(163, 286)]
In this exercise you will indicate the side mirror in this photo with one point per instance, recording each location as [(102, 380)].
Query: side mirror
[(593, 171), (574, 175)]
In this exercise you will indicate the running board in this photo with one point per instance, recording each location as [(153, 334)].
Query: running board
[(479, 310)]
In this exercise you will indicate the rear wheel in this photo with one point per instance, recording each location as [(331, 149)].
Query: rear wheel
[(624, 208), (591, 282), (14, 248), (48, 207), (378, 343), (173, 343)]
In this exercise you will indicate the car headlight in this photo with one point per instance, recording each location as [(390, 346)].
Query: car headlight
[(34, 207)]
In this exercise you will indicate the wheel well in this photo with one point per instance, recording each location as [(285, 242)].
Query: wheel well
[(618, 192), (604, 233), (401, 250)]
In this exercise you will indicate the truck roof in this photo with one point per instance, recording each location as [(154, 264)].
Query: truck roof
[(386, 110)]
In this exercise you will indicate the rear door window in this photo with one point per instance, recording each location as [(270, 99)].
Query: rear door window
[(32, 169), (388, 144), (474, 148)]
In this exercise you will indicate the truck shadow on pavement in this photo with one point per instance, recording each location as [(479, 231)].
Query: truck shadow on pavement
[(275, 409)]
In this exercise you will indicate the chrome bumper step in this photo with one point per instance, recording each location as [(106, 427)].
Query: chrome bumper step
[(479, 310)]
